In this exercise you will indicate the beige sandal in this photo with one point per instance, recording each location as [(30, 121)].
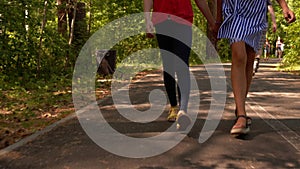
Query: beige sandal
[(245, 129)]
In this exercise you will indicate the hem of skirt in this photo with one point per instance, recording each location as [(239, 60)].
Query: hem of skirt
[(234, 40)]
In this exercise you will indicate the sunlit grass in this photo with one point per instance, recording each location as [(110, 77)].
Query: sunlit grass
[(25, 110), (293, 69)]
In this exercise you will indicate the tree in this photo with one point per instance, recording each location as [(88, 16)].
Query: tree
[(41, 36), (62, 17), (291, 34)]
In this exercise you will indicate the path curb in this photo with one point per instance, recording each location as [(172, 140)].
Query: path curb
[(35, 135)]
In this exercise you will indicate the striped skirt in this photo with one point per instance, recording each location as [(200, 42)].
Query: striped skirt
[(244, 20)]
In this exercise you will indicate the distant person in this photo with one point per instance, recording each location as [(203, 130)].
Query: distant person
[(279, 47), (244, 23), (282, 48), (267, 50), (264, 39)]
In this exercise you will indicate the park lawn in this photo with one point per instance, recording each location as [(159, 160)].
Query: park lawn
[(24, 111)]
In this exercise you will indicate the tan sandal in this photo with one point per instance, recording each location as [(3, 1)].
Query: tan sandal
[(249, 119), (245, 129)]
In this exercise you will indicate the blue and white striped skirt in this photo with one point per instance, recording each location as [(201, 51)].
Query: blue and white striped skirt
[(244, 20)]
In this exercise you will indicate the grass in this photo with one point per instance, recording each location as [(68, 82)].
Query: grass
[(27, 109), (24, 110), (295, 69)]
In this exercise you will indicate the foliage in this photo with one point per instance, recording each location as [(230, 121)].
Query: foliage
[(224, 50), (289, 33), (21, 49), (20, 43), (292, 54)]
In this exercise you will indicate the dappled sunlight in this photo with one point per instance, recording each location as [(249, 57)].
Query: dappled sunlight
[(287, 95)]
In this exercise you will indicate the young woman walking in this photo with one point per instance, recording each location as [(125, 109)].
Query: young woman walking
[(244, 23), (173, 20)]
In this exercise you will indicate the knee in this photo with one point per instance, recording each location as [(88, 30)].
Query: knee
[(239, 59), (239, 55)]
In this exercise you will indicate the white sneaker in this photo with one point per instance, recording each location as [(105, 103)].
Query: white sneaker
[(183, 121)]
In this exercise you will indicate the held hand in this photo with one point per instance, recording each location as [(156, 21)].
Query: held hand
[(215, 28), (289, 16), (149, 29)]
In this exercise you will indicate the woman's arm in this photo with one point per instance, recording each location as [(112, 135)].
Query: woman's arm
[(148, 5), (203, 6), (272, 13), (219, 11), (288, 14)]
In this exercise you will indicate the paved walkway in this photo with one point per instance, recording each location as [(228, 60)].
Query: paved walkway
[(274, 141)]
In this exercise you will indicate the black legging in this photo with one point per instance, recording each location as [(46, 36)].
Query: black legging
[(176, 39)]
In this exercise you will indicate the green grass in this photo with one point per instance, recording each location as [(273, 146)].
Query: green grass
[(26, 109), (34, 105), (293, 69)]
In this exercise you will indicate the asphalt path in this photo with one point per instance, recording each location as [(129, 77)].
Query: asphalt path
[(274, 140)]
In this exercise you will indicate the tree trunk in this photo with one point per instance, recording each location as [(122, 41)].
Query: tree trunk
[(80, 27), (72, 18), (62, 17), (90, 18), (41, 37), (77, 28)]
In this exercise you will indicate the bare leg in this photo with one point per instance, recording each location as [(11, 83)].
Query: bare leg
[(239, 78), (268, 56), (249, 66)]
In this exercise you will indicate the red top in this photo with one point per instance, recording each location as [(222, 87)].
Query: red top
[(180, 8)]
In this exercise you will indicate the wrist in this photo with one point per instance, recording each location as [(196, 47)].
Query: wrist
[(285, 10)]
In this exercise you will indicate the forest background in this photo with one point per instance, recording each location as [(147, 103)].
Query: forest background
[(40, 41)]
